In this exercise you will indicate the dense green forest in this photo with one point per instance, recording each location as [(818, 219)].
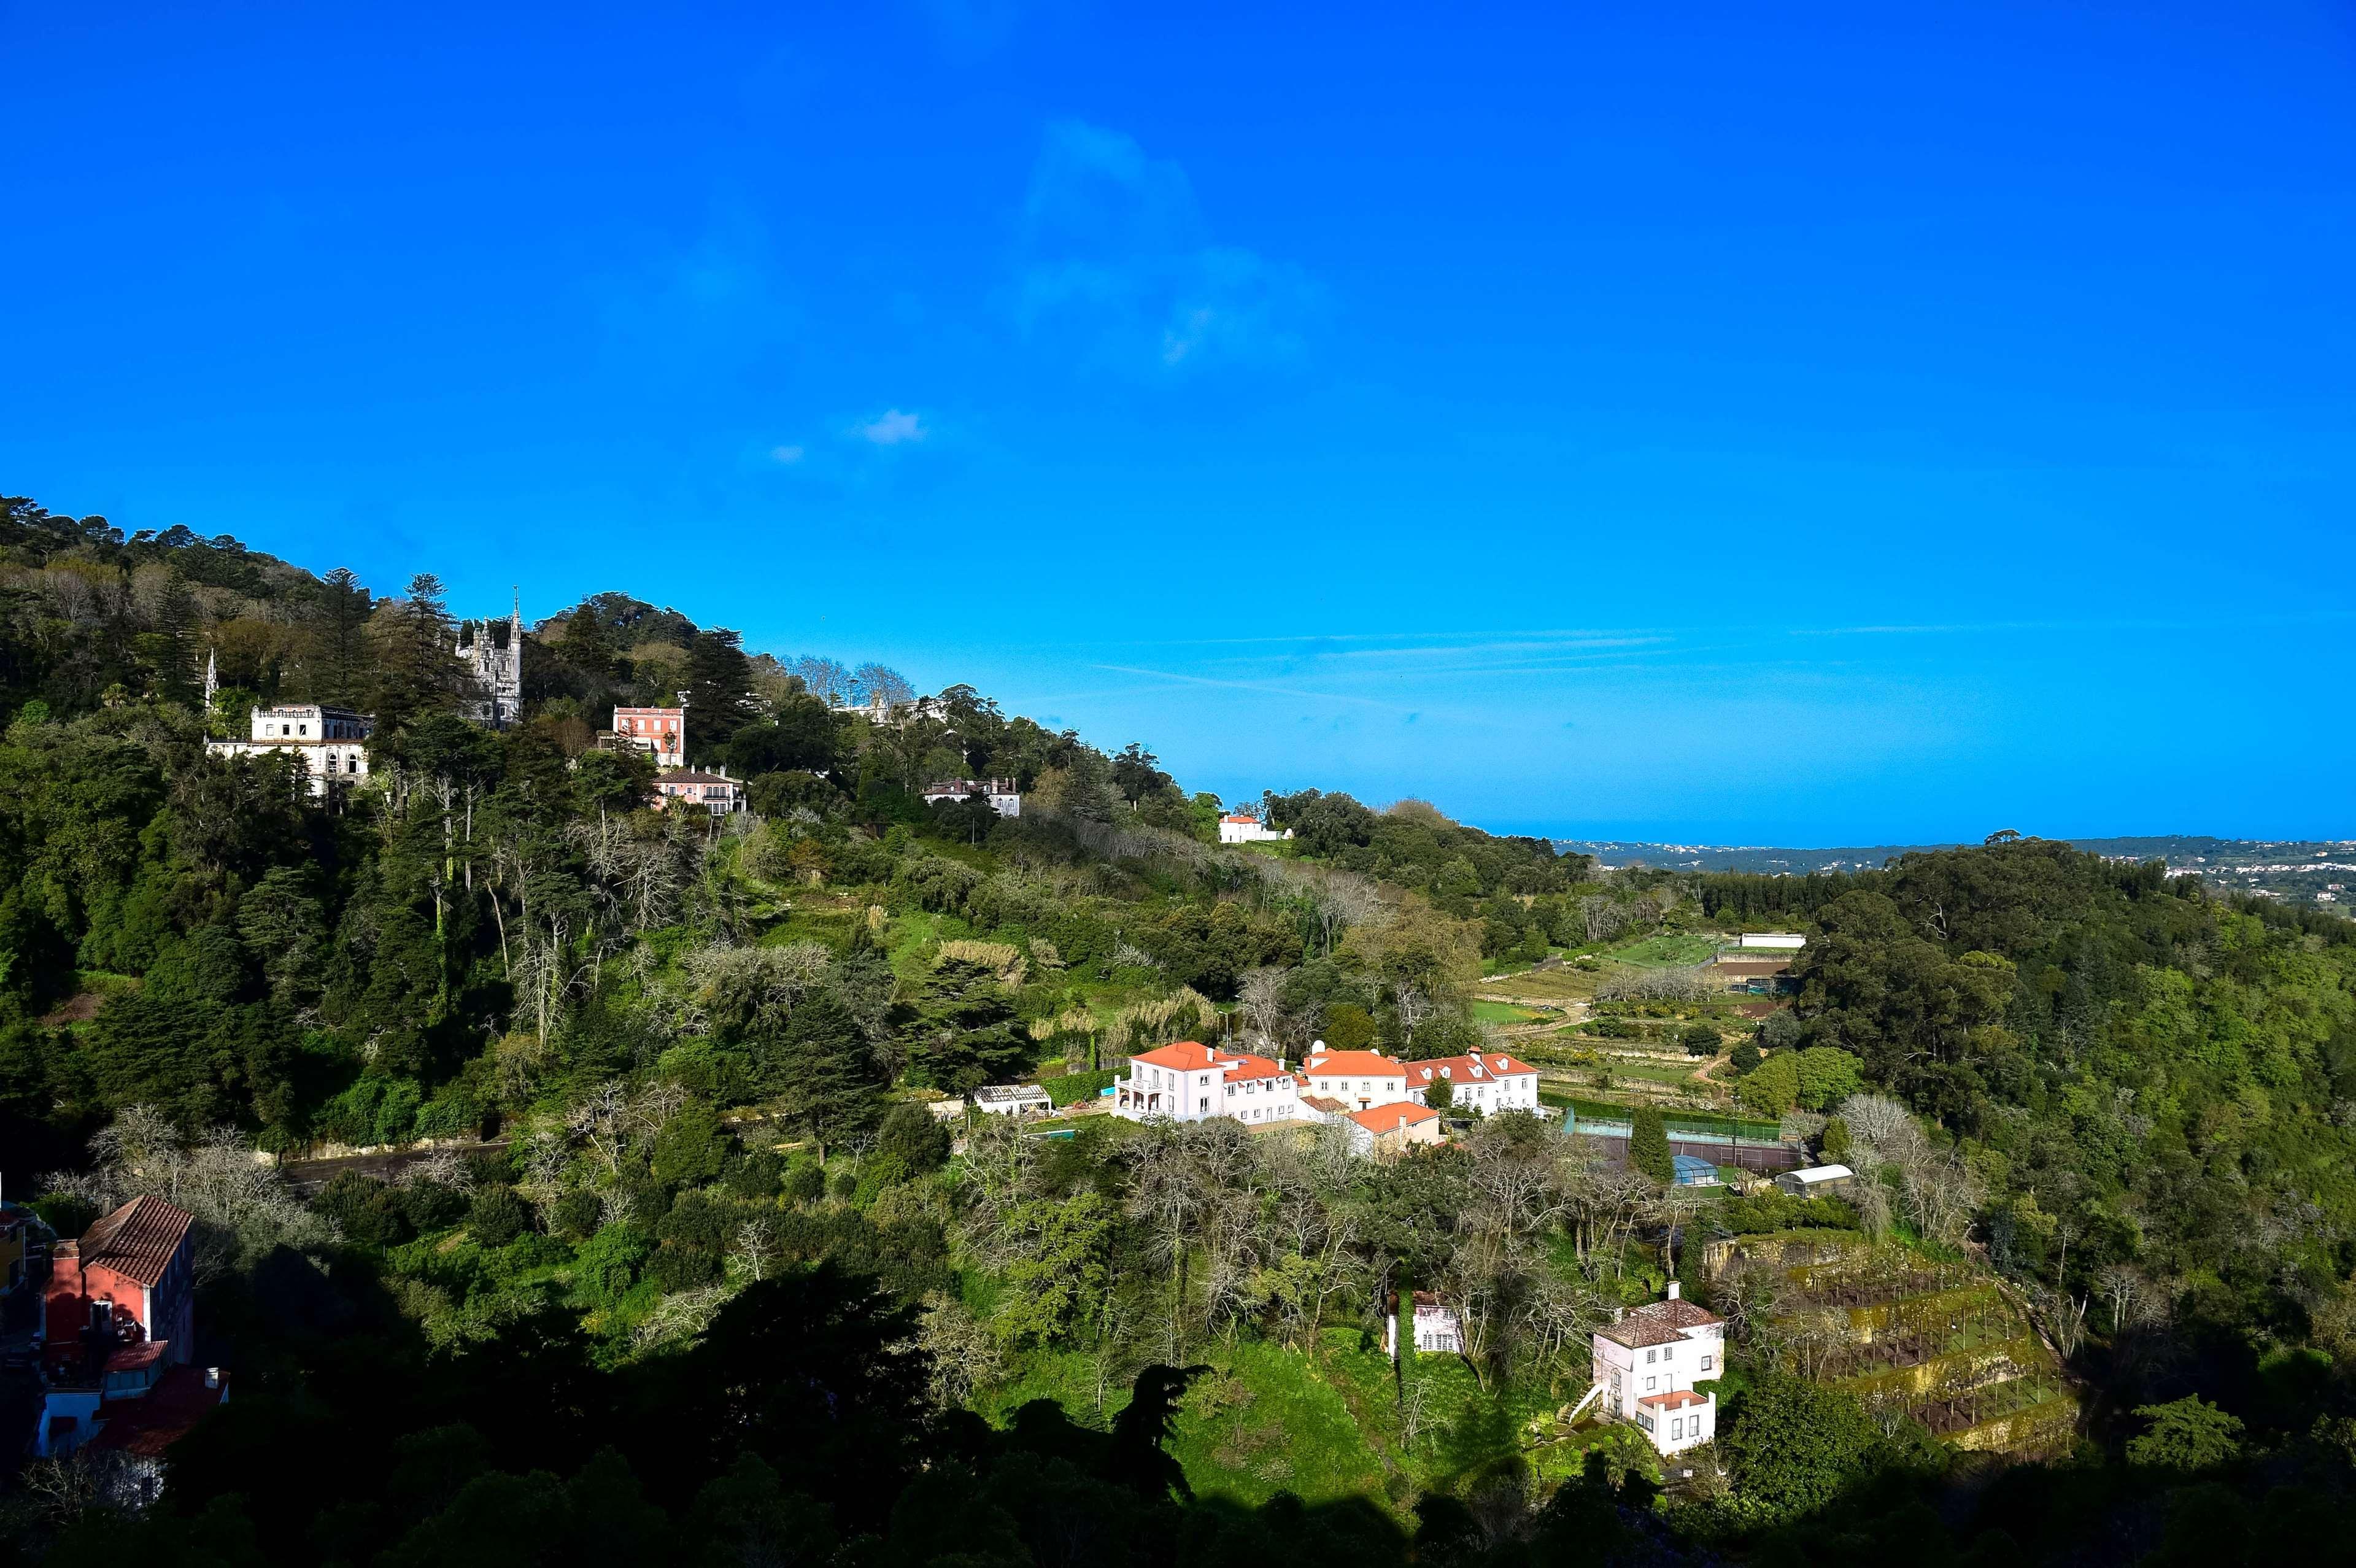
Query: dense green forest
[(699, 1278)]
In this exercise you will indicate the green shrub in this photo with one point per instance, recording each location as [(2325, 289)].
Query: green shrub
[(497, 1216), (576, 1213), (910, 1134)]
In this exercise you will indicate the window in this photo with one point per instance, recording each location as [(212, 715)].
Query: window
[(1676, 1430), (1705, 1363), (1652, 1383), (286, 729), (1668, 1352), (1650, 1356), (1206, 1102), (301, 729)]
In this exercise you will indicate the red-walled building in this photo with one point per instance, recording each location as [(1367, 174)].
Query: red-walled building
[(128, 1280), (660, 732), (119, 1322)]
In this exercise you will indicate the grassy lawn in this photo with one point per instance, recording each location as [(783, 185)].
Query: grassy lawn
[(1667, 951), (1265, 1421), (1545, 985), (1651, 1072), (1505, 1012)]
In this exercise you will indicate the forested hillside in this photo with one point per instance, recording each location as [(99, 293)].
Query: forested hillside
[(696, 1277)]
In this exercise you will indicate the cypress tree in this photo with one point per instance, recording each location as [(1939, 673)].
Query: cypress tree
[(1648, 1146)]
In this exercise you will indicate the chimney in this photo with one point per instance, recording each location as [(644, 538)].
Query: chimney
[(1673, 1290)]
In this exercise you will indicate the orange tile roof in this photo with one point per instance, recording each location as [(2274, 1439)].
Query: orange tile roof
[(1391, 1118), (1478, 1068), (137, 1240), (1354, 1064), (1181, 1056)]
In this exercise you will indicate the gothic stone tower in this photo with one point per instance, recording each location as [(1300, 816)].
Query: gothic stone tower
[(496, 694)]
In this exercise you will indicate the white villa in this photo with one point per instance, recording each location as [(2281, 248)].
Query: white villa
[(1189, 1081), (1647, 1361), (1359, 1080), (1483, 1082), (1003, 797), (1237, 828), (330, 743), (1487, 1083)]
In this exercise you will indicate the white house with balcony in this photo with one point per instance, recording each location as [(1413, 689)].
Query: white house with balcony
[(1189, 1081), (1238, 828), (329, 742), (1646, 1362)]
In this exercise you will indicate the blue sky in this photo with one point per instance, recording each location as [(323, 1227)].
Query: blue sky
[(1808, 424)]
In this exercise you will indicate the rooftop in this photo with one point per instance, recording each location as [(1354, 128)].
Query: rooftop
[(161, 1417), (1391, 1118), (1662, 1323), (1816, 1174), (1678, 1400), (1360, 1064), (137, 1240), (1476, 1068)]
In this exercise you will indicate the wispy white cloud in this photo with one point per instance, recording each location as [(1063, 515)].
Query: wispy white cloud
[(1117, 258), (893, 427)]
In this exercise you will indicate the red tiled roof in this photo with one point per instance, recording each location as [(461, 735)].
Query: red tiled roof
[(162, 1416), (1354, 1064), (1192, 1055), (137, 1240), (1662, 1323), (1180, 1056), (1325, 1102), (1391, 1118), (1478, 1068)]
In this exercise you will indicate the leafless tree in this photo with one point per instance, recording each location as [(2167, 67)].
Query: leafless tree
[(240, 1207), (1261, 1000), (962, 1351), (756, 1245)]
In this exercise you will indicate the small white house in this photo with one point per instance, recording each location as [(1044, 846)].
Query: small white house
[(1438, 1330), (1770, 941), (1646, 1363), (1012, 1099), (1237, 828)]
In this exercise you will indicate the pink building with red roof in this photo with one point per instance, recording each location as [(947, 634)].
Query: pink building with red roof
[(1646, 1363), (119, 1330), (1189, 1081)]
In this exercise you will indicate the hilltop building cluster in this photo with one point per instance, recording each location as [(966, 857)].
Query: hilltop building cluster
[(1386, 1104)]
